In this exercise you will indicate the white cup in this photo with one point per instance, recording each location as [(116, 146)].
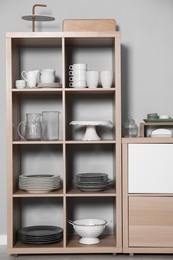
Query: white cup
[(30, 77), (78, 78), (77, 72), (47, 76), (106, 78), (79, 66), (78, 84), (92, 78), (20, 83)]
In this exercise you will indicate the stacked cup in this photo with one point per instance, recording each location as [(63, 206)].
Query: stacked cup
[(77, 73)]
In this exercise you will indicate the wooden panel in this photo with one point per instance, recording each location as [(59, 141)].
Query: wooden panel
[(151, 221), (91, 25)]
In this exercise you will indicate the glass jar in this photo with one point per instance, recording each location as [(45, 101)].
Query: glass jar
[(130, 128)]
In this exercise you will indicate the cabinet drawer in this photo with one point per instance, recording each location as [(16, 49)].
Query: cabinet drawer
[(150, 168), (151, 221)]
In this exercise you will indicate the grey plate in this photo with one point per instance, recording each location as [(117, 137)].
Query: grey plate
[(39, 231)]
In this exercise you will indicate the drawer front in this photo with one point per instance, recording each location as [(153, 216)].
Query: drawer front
[(150, 168), (151, 221)]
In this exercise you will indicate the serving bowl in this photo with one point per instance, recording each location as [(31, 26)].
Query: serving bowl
[(89, 230)]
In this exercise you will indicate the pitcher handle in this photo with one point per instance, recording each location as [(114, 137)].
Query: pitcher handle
[(18, 130), (24, 76)]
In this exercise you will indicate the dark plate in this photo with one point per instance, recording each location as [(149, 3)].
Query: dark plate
[(40, 231)]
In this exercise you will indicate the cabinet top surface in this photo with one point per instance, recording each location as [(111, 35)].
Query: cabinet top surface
[(56, 39), (60, 34)]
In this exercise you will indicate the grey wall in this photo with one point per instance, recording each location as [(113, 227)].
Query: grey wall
[(147, 56)]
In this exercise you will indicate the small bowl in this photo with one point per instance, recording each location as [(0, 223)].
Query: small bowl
[(164, 117), (89, 230)]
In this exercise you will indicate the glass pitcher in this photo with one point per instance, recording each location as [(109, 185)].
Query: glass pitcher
[(33, 128)]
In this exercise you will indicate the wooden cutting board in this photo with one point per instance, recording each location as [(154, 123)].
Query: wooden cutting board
[(89, 25)]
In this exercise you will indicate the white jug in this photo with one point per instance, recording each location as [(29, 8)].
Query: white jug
[(31, 77), (47, 76)]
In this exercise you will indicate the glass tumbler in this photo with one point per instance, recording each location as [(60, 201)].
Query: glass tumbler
[(50, 125)]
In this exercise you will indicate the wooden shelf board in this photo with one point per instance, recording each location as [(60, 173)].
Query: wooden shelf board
[(38, 142), (107, 246), (147, 140), (37, 91), (77, 193), (25, 245), (54, 39), (150, 194), (106, 241), (91, 142), (22, 193), (90, 90)]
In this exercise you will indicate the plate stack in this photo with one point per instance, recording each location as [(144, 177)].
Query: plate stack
[(39, 183), (40, 234), (92, 181)]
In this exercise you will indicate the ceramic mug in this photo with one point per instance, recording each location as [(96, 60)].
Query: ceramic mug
[(31, 77), (78, 84), (106, 78), (92, 78), (77, 78), (77, 72), (78, 66), (20, 83)]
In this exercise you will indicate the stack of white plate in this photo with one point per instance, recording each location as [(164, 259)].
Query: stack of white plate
[(92, 181), (39, 183)]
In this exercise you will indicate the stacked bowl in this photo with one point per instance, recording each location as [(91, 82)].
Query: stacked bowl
[(92, 181)]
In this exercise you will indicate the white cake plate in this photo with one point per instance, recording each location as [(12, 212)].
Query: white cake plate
[(90, 133)]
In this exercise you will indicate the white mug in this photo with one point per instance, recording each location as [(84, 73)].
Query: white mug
[(31, 77), (20, 83), (77, 72), (92, 78), (77, 78), (106, 78), (78, 84), (79, 66), (47, 76)]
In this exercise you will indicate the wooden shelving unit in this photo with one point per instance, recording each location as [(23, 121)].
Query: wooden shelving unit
[(64, 156)]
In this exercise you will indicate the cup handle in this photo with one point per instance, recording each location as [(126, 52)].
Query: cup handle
[(18, 130), (70, 72), (24, 76), (70, 84), (71, 67)]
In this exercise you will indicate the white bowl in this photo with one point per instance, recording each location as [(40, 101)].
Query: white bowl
[(89, 230)]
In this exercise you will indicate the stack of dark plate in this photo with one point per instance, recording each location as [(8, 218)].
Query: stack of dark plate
[(39, 183), (40, 234), (92, 181)]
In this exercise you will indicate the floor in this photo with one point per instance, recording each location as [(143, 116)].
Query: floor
[(5, 256)]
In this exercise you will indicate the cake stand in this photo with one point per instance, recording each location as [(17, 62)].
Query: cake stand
[(90, 132)]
